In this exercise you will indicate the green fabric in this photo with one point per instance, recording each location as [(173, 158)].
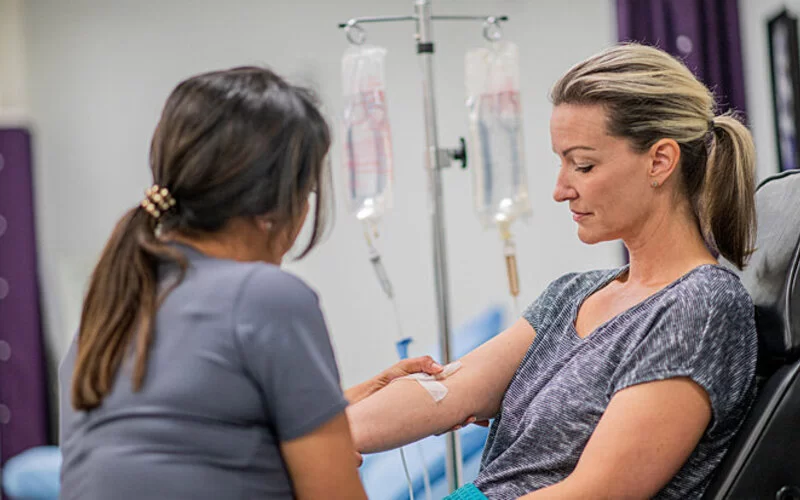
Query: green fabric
[(466, 492)]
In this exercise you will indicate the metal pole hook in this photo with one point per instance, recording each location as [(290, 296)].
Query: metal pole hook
[(355, 33), (492, 31)]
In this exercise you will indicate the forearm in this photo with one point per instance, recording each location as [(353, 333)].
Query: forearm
[(402, 413), (360, 391), (405, 412)]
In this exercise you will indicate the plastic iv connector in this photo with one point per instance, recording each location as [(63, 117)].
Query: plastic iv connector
[(402, 348), (366, 134)]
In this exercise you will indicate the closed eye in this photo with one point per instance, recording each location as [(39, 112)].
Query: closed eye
[(584, 168)]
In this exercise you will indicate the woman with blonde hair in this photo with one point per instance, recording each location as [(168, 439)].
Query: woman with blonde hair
[(628, 382)]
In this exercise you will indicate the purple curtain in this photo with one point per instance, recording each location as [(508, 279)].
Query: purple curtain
[(703, 33), (23, 377)]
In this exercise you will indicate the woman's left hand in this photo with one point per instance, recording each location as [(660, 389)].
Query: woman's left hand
[(422, 364)]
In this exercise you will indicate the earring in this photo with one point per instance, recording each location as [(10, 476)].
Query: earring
[(654, 184), (265, 224)]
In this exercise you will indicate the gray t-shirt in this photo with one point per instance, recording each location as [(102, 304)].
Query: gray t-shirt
[(700, 326), (240, 361)]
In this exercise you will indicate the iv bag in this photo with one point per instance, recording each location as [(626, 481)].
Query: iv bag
[(367, 138), (500, 186)]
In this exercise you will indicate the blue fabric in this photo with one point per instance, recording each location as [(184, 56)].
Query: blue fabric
[(33, 474), (382, 472), (466, 492)]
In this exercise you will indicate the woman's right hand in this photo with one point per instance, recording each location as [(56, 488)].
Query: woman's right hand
[(422, 364), (404, 412)]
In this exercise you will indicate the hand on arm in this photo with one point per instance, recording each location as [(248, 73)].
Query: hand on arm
[(404, 412), (423, 364)]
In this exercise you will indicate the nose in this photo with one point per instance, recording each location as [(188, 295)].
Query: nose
[(564, 190)]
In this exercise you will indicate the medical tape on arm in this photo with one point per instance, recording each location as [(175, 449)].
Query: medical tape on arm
[(431, 383)]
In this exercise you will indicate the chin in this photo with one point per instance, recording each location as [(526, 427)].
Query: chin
[(591, 237)]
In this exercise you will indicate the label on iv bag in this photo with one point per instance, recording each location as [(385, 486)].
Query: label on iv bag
[(367, 145)]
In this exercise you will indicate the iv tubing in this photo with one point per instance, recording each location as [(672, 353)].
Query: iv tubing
[(402, 350), (408, 476)]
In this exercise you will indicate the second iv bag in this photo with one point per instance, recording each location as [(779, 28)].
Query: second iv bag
[(367, 138), (500, 186)]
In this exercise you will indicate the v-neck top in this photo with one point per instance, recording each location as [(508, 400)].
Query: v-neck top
[(700, 326)]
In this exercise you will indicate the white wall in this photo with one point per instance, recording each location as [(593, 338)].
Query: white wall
[(13, 97), (100, 70), (753, 17)]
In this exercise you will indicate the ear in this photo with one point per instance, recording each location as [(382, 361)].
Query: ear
[(665, 156)]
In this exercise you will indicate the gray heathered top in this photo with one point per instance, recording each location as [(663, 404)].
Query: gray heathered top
[(700, 326), (240, 361)]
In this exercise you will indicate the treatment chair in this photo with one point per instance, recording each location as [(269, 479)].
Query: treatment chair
[(764, 460)]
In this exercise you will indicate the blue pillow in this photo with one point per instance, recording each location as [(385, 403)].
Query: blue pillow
[(33, 474), (382, 473)]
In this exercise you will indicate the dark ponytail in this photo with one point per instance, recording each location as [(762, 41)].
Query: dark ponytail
[(119, 308)]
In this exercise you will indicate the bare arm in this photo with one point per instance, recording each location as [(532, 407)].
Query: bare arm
[(404, 412), (323, 464), (643, 439)]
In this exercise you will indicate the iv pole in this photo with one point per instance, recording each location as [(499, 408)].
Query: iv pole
[(436, 159)]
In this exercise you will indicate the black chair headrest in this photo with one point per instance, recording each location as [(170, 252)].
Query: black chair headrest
[(771, 275)]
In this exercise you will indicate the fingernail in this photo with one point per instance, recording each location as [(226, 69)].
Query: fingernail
[(436, 365)]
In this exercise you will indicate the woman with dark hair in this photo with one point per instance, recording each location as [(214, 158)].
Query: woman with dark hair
[(201, 369)]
